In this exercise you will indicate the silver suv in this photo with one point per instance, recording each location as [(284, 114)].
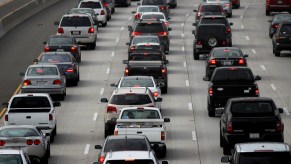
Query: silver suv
[(81, 27)]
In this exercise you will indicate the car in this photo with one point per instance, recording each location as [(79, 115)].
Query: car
[(145, 43), (16, 156), (98, 8), (29, 138), (282, 38), (88, 11), (217, 19), (151, 27), (156, 15), (140, 10), (120, 142), (44, 78), (162, 4), (125, 3), (208, 36), (208, 9), (172, 3), (277, 5), (276, 20), (259, 152), (63, 43), (226, 4), (124, 97), (110, 4), (66, 63), (235, 3), (224, 56), (81, 27)]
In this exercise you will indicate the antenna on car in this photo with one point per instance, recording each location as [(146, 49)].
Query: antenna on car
[(110, 154)]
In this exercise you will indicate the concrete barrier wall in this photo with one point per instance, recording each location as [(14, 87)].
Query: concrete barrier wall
[(21, 14)]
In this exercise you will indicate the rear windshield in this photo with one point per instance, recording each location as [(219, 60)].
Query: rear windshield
[(140, 114), (286, 29), (10, 158), (60, 41), (148, 9), (137, 40), (153, 16), (42, 71), (210, 29), (265, 158), (18, 132), (211, 8), (131, 99), (138, 161), (137, 83), (252, 109), (282, 17), (125, 144), (141, 57), (153, 2), (213, 21), (55, 58), (75, 21), (82, 11), (149, 27), (30, 102), (232, 74), (93, 5), (227, 53)]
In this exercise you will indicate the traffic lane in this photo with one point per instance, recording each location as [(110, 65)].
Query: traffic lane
[(24, 43), (8, 6)]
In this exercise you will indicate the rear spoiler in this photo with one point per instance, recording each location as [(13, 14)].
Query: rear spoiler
[(145, 63)]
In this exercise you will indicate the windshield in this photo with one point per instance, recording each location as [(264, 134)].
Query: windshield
[(282, 17), (60, 41), (232, 74), (93, 5), (153, 2), (153, 16), (30, 102), (211, 8), (137, 83), (149, 27), (55, 58), (82, 11), (18, 132), (75, 21), (125, 144), (252, 109), (213, 21), (147, 9), (140, 114), (227, 53), (131, 99), (10, 158), (265, 158)]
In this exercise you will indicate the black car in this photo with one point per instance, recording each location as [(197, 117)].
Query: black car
[(66, 63), (217, 19), (145, 43), (125, 3), (276, 20), (63, 43), (208, 9), (282, 38), (151, 27), (162, 4), (224, 56), (208, 36)]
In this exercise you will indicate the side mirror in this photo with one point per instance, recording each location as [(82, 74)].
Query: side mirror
[(127, 43), (245, 55), (166, 119), (5, 105), (169, 18), (133, 12), (165, 162), (125, 61), (193, 32), (104, 100), (159, 99), (166, 62), (35, 60), (281, 110), (44, 43), (56, 104), (270, 21), (206, 78), (169, 29), (194, 24), (98, 147), (195, 10), (161, 85), (138, 4), (129, 28), (21, 74), (258, 78), (35, 160), (230, 23), (113, 85), (225, 159), (47, 134), (57, 23)]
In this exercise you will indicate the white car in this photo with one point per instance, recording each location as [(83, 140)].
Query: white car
[(156, 15), (143, 9), (15, 156)]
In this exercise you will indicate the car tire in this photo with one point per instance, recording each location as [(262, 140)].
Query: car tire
[(62, 96), (164, 89), (230, 15), (220, 139), (226, 148), (211, 111), (104, 24), (54, 132), (52, 138), (78, 78), (163, 152), (48, 151), (195, 55), (268, 12), (113, 10), (92, 46), (44, 160), (75, 82), (276, 52)]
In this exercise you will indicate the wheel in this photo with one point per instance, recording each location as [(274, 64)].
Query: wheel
[(211, 111), (230, 15), (113, 10), (226, 148), (268, 12), (164, 89), (104, 24), (163, 152), (195, 55), (277, 52), (54, 132), (78, 77), (212, 42), (44, 160), (220, 140), (52, 138), (92, 46), (75, 82), (207, 73), (105, 133), (62, 96), (48, 151)]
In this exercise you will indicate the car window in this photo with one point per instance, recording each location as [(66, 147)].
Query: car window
[(285, 17), (30, 102), (149, 27), (148, 57), (18, 132), (207, 30), (148, 9), (93, 5), (10, 159), (60, 41), (137, 83), (252, 109), (42, 71), (285, 29), (265, 158), (227, 53), (125, 144), (55, 58), (75, 21), (131, 99), (140, 114), (153, 2), (153, 16), (138, 161), (137, 40), (232, 74), (81, 11), (211, 8), (213, 21)]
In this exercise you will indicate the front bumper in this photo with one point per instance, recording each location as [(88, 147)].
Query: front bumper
[(278, 7)]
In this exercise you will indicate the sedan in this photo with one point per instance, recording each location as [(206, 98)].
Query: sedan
[(145, 43), (44, 78), (226, 4), (66, 63), (276, 20), (224, 56), (63, 43), (29, 138)]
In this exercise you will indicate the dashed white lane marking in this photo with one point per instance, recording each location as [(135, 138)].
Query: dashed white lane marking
[(187, 83), (187, 15), (242, 26), (254, 51), (112, 54), (273, 87), (182, 24), (183, 49), (195, 5), (247, 38), (246, 6), (184, 63), (286, 111), (122, 28), (129, 18), (241, 17), (95, 116), (263, 67), (190, 106), (194, 138), (87, 149), (182, 35), (117, 40), (108, 71), (101, 91)]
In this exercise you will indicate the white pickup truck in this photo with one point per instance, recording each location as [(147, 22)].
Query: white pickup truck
[(146, 121), (36, 109)]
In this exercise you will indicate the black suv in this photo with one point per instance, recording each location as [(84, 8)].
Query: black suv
[(208, 36), (208, 9), (217, 19), (153, 27), (162, 4), (282, 38)]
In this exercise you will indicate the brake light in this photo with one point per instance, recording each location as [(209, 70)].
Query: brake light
[(135, 33), (166, 23), (70, 70), (228, 30), (102, 12), (199, 43), (101, 159), (210, 91), (6, 117), (241, 61), (163, 72), (275, 25), (132, 47), (280, 126), (137, 16), (212, 62), (257, 92), (163, 136), (46, 49), (162, 33), (163, 7), (91, 30), (126, 71), (60, 30), (26, 82), (111, 109), (227, 4), (229, 127), (57, 82), (277, 39), (29, 142), (51, 117), (115, 132), (106, 4), (2, 143), (36, 142), (156, 94)]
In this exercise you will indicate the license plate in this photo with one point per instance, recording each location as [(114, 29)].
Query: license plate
[(254, 135), (227, 63), (41, 83), (280, 2), (246, 91), (60, 50), (198, 46), (76, 32)]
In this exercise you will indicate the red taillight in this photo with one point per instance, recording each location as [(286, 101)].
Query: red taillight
[(6, 117), (280, 127), (257, 92), (132, 47), (199, 43), (162, 33), (162, 7), (210, 91), (102, 12), (46, 49), (105, 4), (277, 39), (126, 72), (26, 82), (101, 159), (57, 82), (241, 61), (227, 4), (91, 30), (212, 62), (275, 25), (156, 94), (60, 30), (36, 142), (51, 117), (163, 135), (111, 109), (163, 72), (2, 143), (166, 23), (198, 14), (29, 142), (229, 127), (228, 30), (137, 16), (73, 49), (70, 70), (135, 33)]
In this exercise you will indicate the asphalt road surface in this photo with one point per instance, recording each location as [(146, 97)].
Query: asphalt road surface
[(193, 137)]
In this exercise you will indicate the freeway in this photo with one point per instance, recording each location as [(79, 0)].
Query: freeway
[(193, 137)]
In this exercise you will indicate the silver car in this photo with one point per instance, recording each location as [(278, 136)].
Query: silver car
[(143, 9), (16, 156), (44, 79), (226, 4), (29, 138)]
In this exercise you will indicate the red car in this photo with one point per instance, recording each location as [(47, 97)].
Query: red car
[(277, 5), (235, 3)]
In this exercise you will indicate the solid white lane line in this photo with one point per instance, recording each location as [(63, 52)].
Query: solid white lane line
[(190, 106), (182, 24), (129, 18), (187, 83), (87, 149), (194, 138), (112, 54), (263, 67), (108, 71), (101, 91), (184, 64), (117, 40), (187, 15), (95, 116), (247, 38), (273, 87), (254, 51), (122, 28), (242, 26), (286, 111), (183, 49), (182, 35)]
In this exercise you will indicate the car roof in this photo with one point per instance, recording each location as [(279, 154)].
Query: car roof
[(10, 151), (237, 99), (262, 146), (132, 155), (131, 90), (122, 136), (42, 65)]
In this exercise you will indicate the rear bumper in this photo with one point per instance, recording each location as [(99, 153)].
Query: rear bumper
[(87, 39), (278, 7), (232, 139), (59, 90), (283, 46)]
